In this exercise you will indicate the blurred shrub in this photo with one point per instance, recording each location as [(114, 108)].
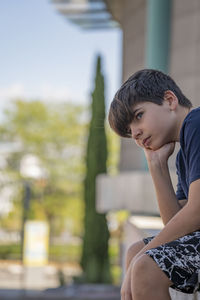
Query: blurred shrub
[(65, 253), (57, 253), (10, 251)]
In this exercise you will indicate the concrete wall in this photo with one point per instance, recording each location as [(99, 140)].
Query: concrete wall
[(185, 47)]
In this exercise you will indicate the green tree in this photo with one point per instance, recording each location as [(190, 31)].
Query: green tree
[(54, 134), (95, 259)]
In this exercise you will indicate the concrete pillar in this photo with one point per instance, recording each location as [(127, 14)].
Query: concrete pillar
[(157, 39), (158, 34)]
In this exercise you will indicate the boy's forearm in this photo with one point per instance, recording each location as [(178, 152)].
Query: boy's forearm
[(166, 197)]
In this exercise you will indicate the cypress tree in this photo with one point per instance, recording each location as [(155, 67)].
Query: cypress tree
[(95, 259)]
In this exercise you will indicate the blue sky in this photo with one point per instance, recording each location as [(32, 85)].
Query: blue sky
[(44, 56)]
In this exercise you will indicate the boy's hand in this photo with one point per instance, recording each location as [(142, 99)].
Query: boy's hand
[(160, 155), (126, 286)]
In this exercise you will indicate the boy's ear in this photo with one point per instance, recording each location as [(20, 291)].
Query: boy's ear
[(171, 99)]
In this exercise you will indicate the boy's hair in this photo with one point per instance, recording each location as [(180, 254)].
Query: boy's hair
[(144, 86)]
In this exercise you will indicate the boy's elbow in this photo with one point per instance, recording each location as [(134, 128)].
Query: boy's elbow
[(182, 202), (193, 210)]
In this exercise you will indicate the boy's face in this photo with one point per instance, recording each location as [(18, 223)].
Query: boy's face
[(153, 125)]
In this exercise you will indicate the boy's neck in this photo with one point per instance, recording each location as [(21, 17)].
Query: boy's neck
[(182, 113)]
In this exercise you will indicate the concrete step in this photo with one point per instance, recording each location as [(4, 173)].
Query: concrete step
[(181, 296)]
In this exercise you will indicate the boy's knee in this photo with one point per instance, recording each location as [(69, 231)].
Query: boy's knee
[(140, 268), (133, 251), (140, 279), (146, 272)]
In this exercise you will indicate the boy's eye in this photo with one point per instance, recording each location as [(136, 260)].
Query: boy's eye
[(139, 116)]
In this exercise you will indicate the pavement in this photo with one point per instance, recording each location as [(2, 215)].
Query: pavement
[(71, 292), (31, 283), (35, 283)]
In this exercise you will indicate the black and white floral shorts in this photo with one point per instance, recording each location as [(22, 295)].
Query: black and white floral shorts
[(180, 261)]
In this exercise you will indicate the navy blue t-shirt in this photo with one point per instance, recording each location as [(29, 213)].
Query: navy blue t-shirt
[(188, 157)]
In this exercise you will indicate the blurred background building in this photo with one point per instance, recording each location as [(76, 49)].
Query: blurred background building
[(159, 34)]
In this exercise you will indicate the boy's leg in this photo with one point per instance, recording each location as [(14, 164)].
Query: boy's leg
[(148, 281), (174, 264), (126, 285)]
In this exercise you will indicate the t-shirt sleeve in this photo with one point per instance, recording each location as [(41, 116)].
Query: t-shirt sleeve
[(180, 195), (192, 148)]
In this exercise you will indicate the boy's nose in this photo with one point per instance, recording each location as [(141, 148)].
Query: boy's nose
[(136, 133)]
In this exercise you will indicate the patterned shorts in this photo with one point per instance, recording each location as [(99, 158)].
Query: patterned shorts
[(180, 261)]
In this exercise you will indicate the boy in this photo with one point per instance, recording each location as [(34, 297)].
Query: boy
[(151, 109)]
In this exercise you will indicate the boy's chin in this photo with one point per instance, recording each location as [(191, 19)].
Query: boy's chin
[(159, 146), (155, 147)]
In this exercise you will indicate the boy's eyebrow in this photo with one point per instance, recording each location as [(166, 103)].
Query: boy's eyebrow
[(134, 112)]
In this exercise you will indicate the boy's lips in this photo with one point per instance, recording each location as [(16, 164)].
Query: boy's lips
[(146, 141)]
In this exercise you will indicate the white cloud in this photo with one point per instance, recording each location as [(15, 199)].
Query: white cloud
[(15, 90), (51, 93), (45, 92)]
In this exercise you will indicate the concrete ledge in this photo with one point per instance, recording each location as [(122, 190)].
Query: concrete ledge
[(133, 191)]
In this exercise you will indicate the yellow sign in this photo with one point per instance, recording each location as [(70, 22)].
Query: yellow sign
[(36, 240)]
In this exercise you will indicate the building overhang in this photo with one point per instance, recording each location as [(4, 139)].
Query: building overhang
[(88, 14)]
